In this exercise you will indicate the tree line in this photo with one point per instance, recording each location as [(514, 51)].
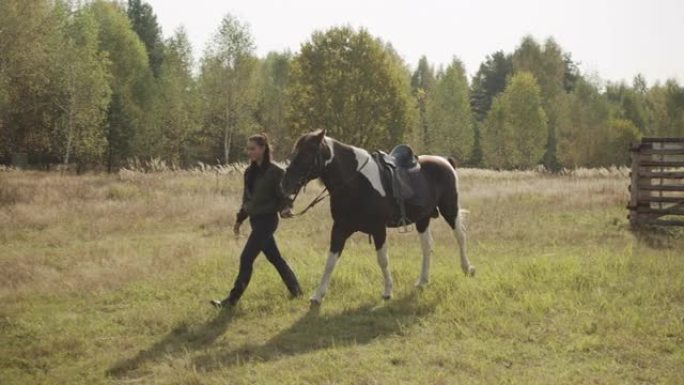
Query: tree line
[(97, 85)]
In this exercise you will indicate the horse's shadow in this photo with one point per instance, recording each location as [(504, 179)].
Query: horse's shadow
[(311, 332), (314, 331)]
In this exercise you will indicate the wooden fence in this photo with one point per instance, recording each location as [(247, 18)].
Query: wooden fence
[(657, 182)]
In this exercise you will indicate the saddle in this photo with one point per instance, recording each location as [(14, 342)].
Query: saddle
[(400, 172)]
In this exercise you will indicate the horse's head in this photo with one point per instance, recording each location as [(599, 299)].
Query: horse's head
[(306, 162)]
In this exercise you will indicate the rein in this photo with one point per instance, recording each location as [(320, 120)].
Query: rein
[(326, 193)]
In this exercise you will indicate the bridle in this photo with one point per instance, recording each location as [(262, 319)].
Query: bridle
[(319, 163), (310, 173)]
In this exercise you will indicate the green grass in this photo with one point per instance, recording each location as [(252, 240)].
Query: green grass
[(105, 279)]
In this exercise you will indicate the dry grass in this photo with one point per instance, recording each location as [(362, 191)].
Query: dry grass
[(104, 279), (83, 233)]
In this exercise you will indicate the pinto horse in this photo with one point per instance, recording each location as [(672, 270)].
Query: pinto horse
[(359, 201)]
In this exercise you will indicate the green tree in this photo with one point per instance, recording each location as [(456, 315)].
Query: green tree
[(572, 72), (632, 103), (29, 42), (352, 84), (274, 76), (228, 87), (621, 133), (144, 23), (177, 99), (582, 131), (451, 123), (554, 72), (546, 63), (83, 91), (666, 105), (400, 72), (488, 82), (515, 130), (498, 144), (127, 128), (422, 81)]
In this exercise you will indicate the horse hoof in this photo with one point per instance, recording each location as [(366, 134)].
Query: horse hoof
[(421, 284), (387, 297), (470, 272), (314, 303)]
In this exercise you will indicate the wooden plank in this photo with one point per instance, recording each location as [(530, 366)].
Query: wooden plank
[(661, 163), (664, 222), (634, 192), (662, 140), (650, 199), (664, 211), (647, 156), (662, 174), (662, 151), (661, 187)]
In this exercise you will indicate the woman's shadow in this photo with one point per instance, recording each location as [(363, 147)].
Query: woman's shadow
[(311, 332), (181, 338)]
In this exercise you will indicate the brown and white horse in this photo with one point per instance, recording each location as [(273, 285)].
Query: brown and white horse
[(360, 202)]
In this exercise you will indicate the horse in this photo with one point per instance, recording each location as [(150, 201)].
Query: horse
[(361, 202)]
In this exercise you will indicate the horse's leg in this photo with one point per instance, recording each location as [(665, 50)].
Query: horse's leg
[(460, 231), (454, 218), (380, 239), (423, 227), (338, 237)]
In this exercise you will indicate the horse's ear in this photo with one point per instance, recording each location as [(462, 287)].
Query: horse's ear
[(320, 135)]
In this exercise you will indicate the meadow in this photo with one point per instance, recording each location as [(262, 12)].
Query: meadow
[(106, 279)]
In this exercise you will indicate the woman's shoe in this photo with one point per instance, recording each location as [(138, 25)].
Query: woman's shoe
[(297, 292), (222, 304)]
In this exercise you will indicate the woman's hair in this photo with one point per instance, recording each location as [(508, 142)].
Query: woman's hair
[(254, 169), (262, 140)]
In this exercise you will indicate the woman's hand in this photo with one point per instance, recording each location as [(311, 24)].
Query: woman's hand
[(236, 229), (287, 213)]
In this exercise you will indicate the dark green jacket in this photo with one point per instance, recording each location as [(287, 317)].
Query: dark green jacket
[(265, 196)]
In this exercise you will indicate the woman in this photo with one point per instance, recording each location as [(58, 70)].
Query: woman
[(262, 199)]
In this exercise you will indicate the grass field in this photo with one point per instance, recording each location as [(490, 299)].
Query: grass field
[(105, 279)]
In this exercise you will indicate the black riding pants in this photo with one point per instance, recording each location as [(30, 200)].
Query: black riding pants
[(261, 240)]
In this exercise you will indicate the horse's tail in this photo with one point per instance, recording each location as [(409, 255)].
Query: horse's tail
[(452, 161)]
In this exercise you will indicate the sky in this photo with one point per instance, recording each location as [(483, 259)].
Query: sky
[(614, 40)]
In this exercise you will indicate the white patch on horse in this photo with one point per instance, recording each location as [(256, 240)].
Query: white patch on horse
[(325, 280), (329, 143), (426, 245), (369, 169), (383, 261), (460, 233)]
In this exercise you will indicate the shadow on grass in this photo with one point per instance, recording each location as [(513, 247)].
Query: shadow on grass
[(315, 332), (311, 332), (180, 339)]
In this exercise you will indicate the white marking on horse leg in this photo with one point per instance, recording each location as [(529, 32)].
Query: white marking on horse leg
[(325, 279), (426, 245), (369, 169), (460, 232), (383, 261)]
